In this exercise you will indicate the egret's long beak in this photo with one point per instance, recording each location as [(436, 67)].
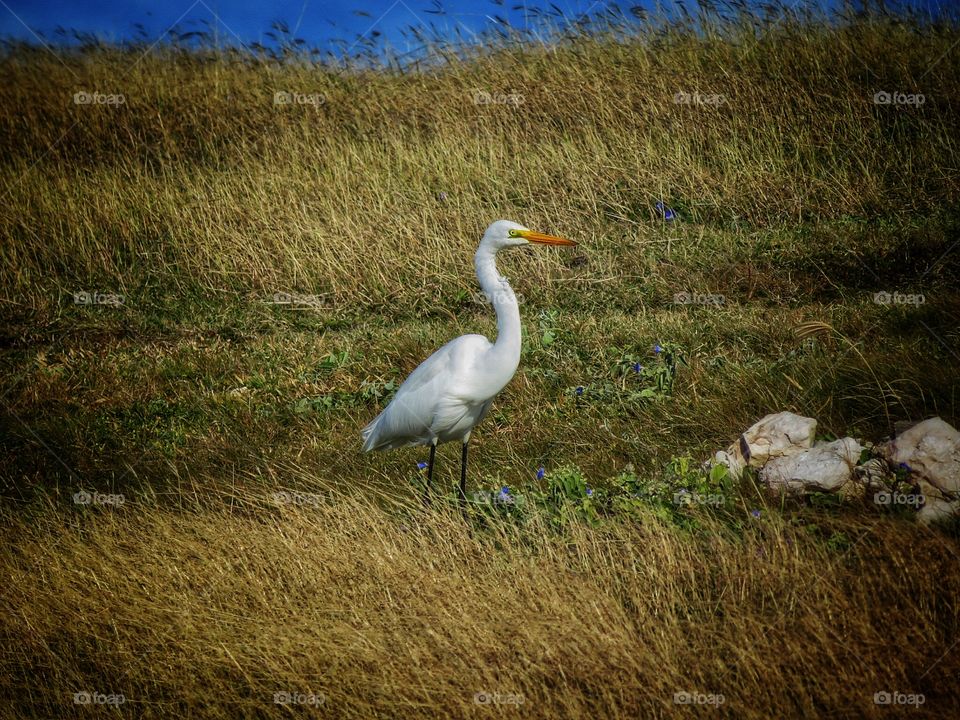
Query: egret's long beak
[(544, 239)]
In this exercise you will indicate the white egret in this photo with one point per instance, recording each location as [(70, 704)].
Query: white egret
[(451, 391)]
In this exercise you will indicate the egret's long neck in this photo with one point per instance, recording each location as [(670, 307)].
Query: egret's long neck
[(507, 347)]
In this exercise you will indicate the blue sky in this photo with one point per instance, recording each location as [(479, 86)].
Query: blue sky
[(317, 21), (250, 20)]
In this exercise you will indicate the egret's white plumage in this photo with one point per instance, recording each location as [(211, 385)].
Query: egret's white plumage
[(452, 390), (441, 400)]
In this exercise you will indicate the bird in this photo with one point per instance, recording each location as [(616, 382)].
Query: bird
[(451, 391)]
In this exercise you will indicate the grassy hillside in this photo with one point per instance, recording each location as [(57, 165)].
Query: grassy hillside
[(191, 191)]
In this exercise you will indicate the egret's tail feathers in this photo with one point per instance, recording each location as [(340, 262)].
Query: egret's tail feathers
[(369, 435), (377, 436)]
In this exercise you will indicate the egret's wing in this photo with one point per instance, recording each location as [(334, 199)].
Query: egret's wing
[(424, 401), (409, 416)]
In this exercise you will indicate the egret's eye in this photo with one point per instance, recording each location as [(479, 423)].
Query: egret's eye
[(514, 233)]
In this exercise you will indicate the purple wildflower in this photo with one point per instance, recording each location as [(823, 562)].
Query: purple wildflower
[(540, 473), (665, 212)]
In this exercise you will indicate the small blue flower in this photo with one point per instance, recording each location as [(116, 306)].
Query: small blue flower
[(904, 466), (665, 212), (637, 367), (421, 466), (540, 473), (589, 491), (755, 513), (504, 495), (657, 349), (579, 389)]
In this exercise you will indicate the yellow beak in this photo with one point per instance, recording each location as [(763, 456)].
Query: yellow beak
[(544, 239)]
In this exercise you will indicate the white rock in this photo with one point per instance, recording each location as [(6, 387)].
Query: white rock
[(733, 462), (875, 474), (932, 451), (938, 510), (824, 468), (776, 435)]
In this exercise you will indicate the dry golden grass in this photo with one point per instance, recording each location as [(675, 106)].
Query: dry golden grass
[(797, 199), (199, 179), (401, 613)]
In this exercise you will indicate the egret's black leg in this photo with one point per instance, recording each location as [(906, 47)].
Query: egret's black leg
[(463, 475), (428, 489)]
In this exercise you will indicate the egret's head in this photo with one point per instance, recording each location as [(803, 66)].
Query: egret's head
[(504, 233)]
